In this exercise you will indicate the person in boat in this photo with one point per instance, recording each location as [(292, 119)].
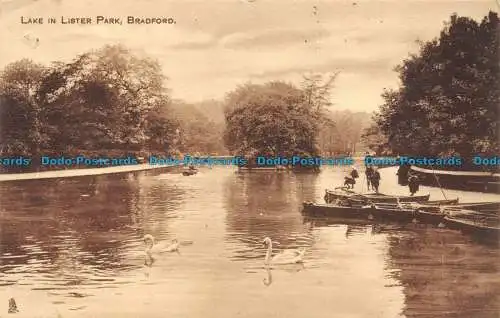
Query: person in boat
[(413, 183), (350, 180), (375, 179)]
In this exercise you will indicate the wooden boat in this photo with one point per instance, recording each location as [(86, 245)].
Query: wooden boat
[(371, 212), (393, 213), (189, 172), (467, 180), (427, 214), (333, 210), (331, 196), (430, 214), (436, 202), (481, 225), (483, 207)]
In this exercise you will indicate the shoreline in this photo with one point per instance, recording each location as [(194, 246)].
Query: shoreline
[(69, 173)]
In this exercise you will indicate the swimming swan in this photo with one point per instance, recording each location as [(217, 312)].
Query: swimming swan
[(285, 257), (155, 248)]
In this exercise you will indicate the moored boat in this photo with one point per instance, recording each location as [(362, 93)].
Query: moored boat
[(430, 215), (393, 213), (372, 211), (483, 207), (480, 225), (333, 210), (331, 196)]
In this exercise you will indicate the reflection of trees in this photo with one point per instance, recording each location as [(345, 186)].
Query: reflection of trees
[(156, 205), (71, 224), (442, 272), (264, 204)]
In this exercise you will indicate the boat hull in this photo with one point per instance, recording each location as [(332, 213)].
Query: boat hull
[(482, 207), (359, 212), (479, 231), (393, 214), (430, 217), (331, 210), (331, 196)]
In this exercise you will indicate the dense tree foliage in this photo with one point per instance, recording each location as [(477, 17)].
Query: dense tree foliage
[(449, 96), (112, 102), (20, 112), (280, 119), (104, 102), (104, 99), (275, 119)]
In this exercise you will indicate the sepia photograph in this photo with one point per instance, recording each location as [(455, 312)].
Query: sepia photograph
[(250, 158)]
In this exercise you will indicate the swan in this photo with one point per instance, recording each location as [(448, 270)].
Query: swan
[(155, 248), (285, 257)]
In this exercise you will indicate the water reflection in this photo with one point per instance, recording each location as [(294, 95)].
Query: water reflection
[(266, 204), (78, 245), (442, 272), (74, 230), (268, 280)]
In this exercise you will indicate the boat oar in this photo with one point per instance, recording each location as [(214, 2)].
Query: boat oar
[(439, 184)]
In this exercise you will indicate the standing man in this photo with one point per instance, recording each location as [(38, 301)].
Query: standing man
[(368, 174), (368, 170), (375, 179)]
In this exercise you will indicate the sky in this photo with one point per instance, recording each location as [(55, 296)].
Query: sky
[(216, 45)]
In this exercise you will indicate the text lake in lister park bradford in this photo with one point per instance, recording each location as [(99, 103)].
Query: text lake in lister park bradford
[(75, 247)]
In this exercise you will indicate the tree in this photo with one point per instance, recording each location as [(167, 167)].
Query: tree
[(317, 90), (450, 93), (108, 98), (272, 119), (20, 123)]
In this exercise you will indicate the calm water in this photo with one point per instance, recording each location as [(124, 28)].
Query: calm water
[(74, 247)]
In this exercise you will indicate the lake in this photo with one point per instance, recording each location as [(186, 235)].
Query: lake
[(74, 247)]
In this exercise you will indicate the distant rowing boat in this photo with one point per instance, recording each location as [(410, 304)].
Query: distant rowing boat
[(189, 172)]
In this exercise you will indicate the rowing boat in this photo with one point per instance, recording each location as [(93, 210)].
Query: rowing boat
[(483, 207), (485, 226), (333, 210), (332, 195), (373, 211), (189, 172)]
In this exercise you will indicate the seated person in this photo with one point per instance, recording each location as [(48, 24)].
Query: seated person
[(349, 182)]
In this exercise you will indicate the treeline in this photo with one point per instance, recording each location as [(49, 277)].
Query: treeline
[(111, 102), (106, 102), (282, 119), (449, 97)]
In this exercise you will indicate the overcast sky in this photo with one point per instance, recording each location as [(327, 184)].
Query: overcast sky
[(216, 45)]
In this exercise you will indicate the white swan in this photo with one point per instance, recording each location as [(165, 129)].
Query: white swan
[(285, 257), (155, 248)]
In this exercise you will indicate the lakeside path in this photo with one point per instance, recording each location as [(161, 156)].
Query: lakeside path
[(79, 172)]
